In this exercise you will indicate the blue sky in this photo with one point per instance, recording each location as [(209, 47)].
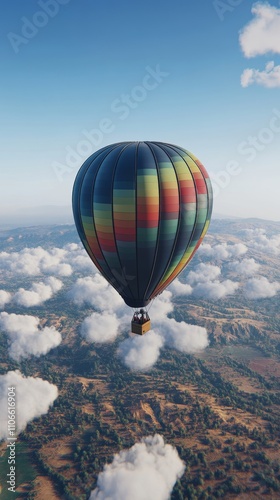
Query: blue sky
[(71, 75)]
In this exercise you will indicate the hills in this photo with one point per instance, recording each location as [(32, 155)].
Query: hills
[(219, 407)]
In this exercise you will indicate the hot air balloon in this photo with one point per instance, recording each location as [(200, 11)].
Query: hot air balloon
[(141, 210)]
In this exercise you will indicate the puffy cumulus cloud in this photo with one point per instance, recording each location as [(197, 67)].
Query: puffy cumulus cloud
[(100, 327), (96, 292), (259, 240), (245, 267), (269, 77), (261, 35), (34, 396), (39, 292), (5, 298), (141, 353), (235, 250), (162, 306), (26, 337), (260, 288), (179, 288), (184, 337), (215, 290), (34, 261), (204, 283), (202, 273), (104, 325), (222, 251), (77, 257), (147, 471), (207, 251), (138, 353)]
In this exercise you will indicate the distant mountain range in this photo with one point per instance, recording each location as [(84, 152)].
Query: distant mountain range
[(33, 216), (54, 214)]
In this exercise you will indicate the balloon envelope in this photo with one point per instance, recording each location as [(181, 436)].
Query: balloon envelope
[(141, 210)]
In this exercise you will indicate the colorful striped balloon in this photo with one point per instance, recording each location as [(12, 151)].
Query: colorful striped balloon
[(141, 210)]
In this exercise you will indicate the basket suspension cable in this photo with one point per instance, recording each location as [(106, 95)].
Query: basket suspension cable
[(148, 308)]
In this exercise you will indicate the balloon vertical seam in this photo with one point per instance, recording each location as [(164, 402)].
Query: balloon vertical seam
[(163, 285), (159, 222), (160, 145), (112, 210), (83, 174), (135, 211), (109, 278)]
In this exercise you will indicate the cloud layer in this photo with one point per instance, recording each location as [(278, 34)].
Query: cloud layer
[(100, 327), (206, 280), (113, 316), (57, 261), (215, 290), (259, 240), (39, 292), (183, 336), (95, 291), (33, 396), (5, 298), (245, 267), (260, 288), (141, 353), (202, 281), (104, 325), (222, 251), (25, 336), (147, 471)]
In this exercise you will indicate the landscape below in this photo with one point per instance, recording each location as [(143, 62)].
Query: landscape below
[(220, 407)]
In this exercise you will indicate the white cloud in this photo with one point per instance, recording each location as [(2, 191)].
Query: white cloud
[(203, 279), (105, 325), (269, 77), (184, 337), (217, 251), (202, 273), (96, 292), (260, 288), (261, 35), (5, 298), (77, 257), (141, 353), (147, 471), (259, 240), (33, 396), (245, 267), (138, 353), (39, 293), (26, 337), (215, 290), (179, 335), (222, 251), (57, 261), (34, 261), (179, 288), (162, 306), (100, 327)]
